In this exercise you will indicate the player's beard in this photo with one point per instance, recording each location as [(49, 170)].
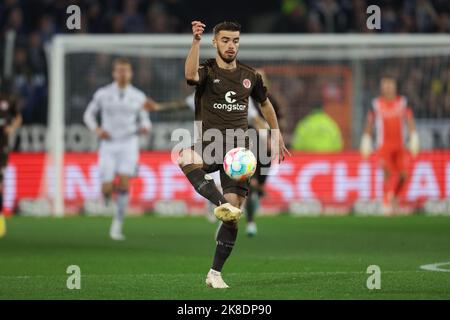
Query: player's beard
[(225, 58)]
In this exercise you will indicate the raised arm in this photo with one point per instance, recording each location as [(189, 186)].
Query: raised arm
[(192, 60)]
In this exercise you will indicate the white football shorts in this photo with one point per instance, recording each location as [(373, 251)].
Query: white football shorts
[(118, 157)]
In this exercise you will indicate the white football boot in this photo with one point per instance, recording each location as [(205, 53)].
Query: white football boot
[(226, 212), (214, 280), (251, 229), (116, 231)]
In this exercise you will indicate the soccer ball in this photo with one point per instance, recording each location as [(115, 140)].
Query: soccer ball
[(239, 164)]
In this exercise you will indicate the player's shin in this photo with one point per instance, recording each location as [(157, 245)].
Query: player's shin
[(122, 204), (203, 184), (225, 239), (119, 215), (107, 190), (388, 194), (399, 183), (251, 205)]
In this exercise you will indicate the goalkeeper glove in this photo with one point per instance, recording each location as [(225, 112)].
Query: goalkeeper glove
[(414, 143), (366, 145)]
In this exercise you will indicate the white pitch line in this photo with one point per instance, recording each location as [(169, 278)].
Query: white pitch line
[(436, 267)]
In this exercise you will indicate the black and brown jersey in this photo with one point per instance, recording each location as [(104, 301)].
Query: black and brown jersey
[(221, 97), (8, 111)]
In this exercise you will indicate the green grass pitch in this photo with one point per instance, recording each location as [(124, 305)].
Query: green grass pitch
[(168, 258)]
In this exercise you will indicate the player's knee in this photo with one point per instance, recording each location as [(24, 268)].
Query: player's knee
[(183, 159), (188, 157), (403, 176), (234, 199), (124, 185), (123, 189), (107, 189), (254, 183), (238, 202)]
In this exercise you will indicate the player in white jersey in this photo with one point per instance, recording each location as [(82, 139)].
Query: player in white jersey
[(123, 113)]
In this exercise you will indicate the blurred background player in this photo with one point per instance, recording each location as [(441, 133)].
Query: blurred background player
[(258, 180), (10, 121), (122, 108), (220, 81), (388, 115)]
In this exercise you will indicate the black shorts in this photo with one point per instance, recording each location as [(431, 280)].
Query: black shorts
[(215, 163), (3, 163), (261, 178)]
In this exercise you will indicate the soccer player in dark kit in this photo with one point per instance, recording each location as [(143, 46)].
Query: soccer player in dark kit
[(10, 120), (223, 87)]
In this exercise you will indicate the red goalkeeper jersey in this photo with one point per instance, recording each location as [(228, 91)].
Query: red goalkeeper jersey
[(390, 118)]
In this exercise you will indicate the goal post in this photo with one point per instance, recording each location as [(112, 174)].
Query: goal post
[(333, 71), (56, 123)]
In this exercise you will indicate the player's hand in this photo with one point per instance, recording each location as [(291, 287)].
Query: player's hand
[(8, 130), (366, 146), (102, 134), (144, 131), (197, 29), (281, 151), (414, 143)]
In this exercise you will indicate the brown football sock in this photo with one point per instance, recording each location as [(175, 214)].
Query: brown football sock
[(226, 237), (204, 185)]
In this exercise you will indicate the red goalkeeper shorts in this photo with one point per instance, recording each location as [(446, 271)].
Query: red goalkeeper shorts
[(393, 160)]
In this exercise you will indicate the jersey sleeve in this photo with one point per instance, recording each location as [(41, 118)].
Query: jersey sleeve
[(89, 116), (259, 91), (202, 74)]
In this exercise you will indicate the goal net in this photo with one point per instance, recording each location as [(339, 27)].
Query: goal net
[(332, 75)]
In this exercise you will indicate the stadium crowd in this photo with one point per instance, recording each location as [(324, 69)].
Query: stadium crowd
[(35, 22)]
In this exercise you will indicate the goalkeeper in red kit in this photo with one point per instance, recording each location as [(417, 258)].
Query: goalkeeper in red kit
[(388, 116)]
